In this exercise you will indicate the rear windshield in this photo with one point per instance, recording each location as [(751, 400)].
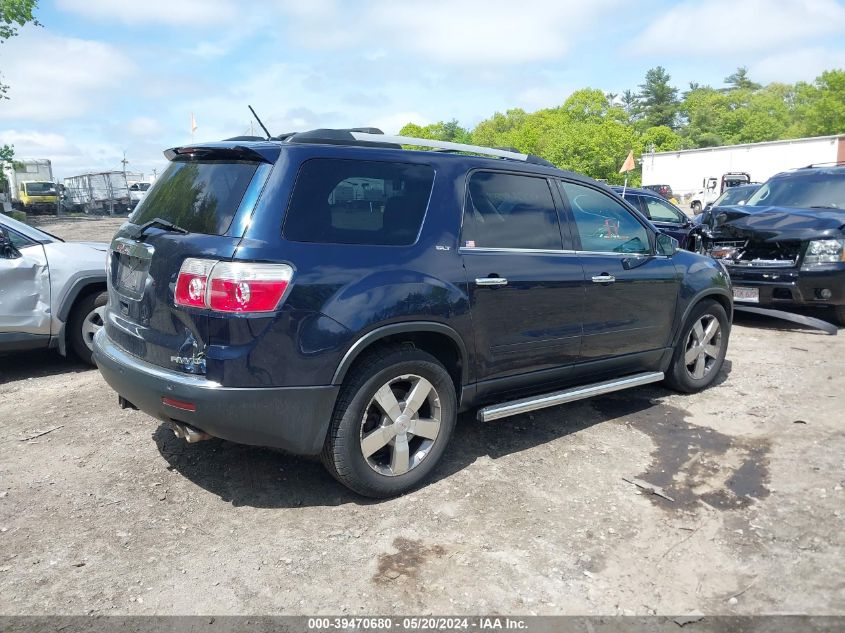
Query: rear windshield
[(358, 202), (199, 196)]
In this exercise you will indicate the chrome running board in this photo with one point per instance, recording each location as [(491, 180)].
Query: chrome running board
[(515, 407)]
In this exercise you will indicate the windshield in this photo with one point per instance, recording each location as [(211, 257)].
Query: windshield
[(198, 196), (40, 188), (734, 195), (820, 190)]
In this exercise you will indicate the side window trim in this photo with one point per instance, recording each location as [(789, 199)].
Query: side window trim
[(556, 201), (576, 237), (27, 241)]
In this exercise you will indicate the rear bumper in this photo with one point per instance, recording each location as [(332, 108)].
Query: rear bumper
[(292, 418), (791, 286)]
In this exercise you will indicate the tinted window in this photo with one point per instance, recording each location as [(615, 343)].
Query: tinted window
[(660, 211), (199, 196), (358, 202), (603, 224), (508, 211)]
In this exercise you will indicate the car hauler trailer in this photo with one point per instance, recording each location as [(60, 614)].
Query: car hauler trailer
[(103, 192), (693, 171)]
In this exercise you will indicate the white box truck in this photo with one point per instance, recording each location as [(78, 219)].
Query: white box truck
[(700, 175), (30, 185)]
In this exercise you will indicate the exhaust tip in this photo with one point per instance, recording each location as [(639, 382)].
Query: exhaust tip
[(188, 433)]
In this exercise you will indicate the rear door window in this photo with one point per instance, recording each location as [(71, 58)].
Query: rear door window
[(660, 211), (358, 202), (509, 211), (603, 224), (199, 196)]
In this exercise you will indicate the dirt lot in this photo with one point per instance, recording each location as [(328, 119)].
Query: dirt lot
[(109, 513)]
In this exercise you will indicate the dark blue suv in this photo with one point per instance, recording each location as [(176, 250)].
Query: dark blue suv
[(332, 293)]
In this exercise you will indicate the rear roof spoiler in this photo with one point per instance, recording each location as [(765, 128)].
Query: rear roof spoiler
[(214, 151)]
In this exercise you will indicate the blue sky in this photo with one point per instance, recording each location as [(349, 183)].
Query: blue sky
[(107, 76)]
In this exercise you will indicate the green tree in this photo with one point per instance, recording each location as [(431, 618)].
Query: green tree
[(13, 15), (440, 131), (740, 80), (658, 99), (820, 106), (630, 102)]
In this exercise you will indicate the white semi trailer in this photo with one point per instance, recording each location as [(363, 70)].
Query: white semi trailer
[(699, 175)]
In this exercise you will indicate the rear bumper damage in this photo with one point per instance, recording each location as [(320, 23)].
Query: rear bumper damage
[(292, 418)]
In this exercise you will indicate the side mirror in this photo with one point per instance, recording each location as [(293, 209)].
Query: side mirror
[(666, 245), (7, 249)]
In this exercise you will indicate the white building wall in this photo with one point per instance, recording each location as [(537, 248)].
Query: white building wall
[(685, 170)]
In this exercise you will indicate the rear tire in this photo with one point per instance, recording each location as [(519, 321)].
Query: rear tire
[(696, 208), (701, 348), (86, 318), (392, 422)]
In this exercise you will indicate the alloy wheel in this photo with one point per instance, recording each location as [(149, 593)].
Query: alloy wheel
[(703, 346), (400, 425)]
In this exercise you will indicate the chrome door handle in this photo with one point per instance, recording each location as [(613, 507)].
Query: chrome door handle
[(491, 281), (604, 279)]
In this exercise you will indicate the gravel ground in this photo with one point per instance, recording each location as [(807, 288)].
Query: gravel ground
[(104, 511)]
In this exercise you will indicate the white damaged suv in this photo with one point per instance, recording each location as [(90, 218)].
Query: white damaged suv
[(52, 292)]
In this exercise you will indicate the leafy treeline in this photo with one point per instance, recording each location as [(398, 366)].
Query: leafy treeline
[(592, 132)]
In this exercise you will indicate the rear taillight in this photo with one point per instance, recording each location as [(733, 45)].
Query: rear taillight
[(232, 286), (192, 283), (245, 287)]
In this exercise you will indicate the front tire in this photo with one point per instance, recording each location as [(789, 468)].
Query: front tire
[(840, 315), (85, 321), (701, 348), (696, 208), (392, 422)]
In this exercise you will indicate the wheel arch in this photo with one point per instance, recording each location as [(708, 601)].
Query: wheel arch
[(719, 295), (438, 339), (79, 288)]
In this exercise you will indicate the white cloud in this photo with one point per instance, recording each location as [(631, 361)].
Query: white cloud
[(145, 127), (392, 123), (54, 77), (456, 32), (729, 27), (182, 13), (796, 65)]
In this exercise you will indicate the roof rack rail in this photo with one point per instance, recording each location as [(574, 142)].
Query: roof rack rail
[(833, 163), (449, 146), (373, 137), (445, 145)]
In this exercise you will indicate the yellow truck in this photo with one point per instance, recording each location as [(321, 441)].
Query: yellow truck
[(30, 185)]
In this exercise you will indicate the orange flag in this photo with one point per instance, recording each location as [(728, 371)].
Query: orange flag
[(628, 165)]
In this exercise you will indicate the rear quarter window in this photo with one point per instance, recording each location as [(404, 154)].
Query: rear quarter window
[(199, 196), (345, 201)]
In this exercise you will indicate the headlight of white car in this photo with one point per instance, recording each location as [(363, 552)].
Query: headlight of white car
[(824, 252)]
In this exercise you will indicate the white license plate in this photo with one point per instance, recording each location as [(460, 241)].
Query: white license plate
[(751, 295)]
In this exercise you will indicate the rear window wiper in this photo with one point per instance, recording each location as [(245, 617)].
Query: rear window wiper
[(158, 223)]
